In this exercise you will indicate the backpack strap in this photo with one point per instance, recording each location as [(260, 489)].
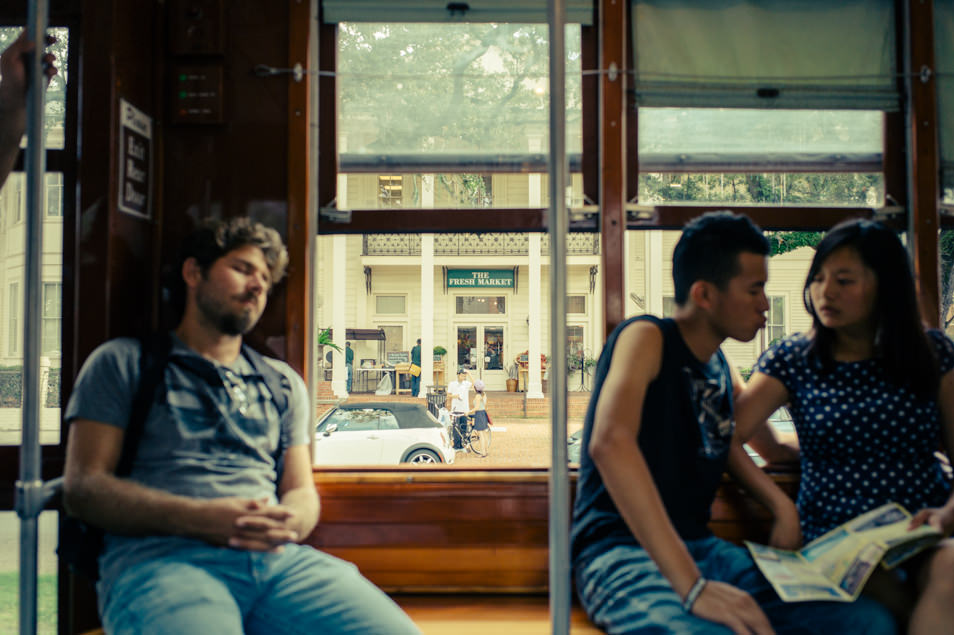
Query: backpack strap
[(153, 356), (280, 388), (276, 381)]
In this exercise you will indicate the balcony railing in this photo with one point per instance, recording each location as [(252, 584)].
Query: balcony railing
[(491, 244)]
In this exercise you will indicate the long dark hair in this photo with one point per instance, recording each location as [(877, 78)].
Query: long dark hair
[(906, 354)]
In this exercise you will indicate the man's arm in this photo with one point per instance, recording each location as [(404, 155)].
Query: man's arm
[(297, 490), (13, 99), (92, 492), (295, 515), (613, 446)]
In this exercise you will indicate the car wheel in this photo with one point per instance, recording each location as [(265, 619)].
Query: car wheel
[(422, 457)]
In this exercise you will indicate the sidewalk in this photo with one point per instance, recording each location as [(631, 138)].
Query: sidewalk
[(11, 420), (524, 443)]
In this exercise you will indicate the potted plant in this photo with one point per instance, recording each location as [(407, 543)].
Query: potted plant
[(440, 351), (512, 377)]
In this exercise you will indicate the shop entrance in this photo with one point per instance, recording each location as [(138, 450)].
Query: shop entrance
[(481, 349)]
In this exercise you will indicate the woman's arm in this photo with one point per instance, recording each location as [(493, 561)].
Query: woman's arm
[(943, 518), (762, 396)]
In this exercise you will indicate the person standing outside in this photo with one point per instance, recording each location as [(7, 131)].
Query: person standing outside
[(458, 398), (656, 440), (349, 365), (416, 361), (202, 535), (481, 418)]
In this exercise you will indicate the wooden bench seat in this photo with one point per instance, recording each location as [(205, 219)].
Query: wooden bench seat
[(465, 551)]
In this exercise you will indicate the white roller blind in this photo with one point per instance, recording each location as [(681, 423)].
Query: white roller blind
[(820, 54), (526, 11)]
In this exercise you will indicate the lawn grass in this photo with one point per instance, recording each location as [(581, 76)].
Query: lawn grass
[(10, 608)]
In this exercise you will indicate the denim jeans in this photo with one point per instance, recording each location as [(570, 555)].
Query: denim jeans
[(623, 591), (204, 590)]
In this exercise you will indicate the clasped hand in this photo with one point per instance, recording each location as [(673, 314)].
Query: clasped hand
[(253, 525)]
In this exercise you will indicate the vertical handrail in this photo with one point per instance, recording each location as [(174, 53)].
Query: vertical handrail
[(30, 490), (557, 230)]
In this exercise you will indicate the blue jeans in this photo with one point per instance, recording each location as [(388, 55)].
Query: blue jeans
[(623, 591), (204, 589), (350, 369)]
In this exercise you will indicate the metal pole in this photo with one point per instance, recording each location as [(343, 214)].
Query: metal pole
[(559, 471), (30, 490)]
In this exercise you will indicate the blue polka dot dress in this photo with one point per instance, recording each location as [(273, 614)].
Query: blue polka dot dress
[(864, 441)]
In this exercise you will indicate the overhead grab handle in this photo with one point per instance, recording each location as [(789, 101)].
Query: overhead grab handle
[(297, 71)]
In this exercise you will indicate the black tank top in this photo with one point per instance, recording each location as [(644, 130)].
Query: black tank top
[(684, 436)]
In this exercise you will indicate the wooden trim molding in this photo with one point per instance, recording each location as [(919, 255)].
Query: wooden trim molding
[(300, 222), (923, 157), (612, 109)]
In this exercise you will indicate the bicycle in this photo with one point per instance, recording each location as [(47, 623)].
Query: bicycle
[(479, 444)]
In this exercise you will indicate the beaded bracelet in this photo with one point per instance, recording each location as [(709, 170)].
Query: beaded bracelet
[(694, 592)]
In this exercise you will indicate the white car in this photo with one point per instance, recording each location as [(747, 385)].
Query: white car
[(381, 433)]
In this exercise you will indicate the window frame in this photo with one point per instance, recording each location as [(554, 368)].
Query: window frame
[(434, 220), (609, 107), (387, 316)]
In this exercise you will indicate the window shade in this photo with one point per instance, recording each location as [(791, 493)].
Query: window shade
[(526, 11), (944, 62), (821, 54)]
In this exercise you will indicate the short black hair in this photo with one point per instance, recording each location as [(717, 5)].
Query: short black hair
[(214, 239), (709, 248)]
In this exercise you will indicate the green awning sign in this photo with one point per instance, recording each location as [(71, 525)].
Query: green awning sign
[(496, 278)]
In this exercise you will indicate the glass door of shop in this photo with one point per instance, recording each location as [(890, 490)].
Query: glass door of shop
[(480, 348)]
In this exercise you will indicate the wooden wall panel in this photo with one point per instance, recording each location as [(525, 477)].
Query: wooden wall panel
[(240, 167)]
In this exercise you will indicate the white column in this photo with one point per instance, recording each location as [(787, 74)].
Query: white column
[(427, 311), (362, 299), (653, 272), (427, 293), (339, 375), (535, 332), (627, 270)]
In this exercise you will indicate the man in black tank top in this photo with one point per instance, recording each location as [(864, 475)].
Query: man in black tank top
[(656, 439)]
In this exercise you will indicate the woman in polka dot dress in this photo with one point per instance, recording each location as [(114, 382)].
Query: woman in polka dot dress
[(872, 397)]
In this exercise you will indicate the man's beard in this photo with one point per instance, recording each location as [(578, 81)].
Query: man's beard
[(225, 321)]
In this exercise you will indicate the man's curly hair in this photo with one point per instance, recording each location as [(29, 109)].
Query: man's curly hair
[(215, 238)]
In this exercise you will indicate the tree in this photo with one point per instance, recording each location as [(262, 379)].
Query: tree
[(784, 242), (946, 256), (451, 90), (56, 92)]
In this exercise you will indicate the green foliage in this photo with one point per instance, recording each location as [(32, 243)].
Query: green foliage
[(11, 382), (11, 388), (783, 242), (408, 87), (762, 189), (324, 339), (9, 605), (440, 350), (56, 92), (946, 256)]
